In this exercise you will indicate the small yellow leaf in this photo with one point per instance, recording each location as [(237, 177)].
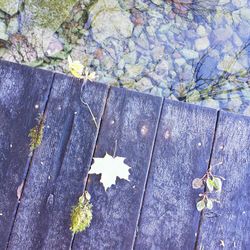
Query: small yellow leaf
[(76, 68)]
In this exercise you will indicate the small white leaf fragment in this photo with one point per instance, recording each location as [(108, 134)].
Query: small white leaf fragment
[(110, 168), (19, 191), (222, 243)]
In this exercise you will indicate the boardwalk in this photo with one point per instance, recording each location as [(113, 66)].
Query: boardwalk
[(167, 144)]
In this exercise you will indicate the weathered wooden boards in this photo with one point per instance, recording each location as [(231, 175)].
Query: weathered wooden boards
[(229, 221), (169, 219), (59, 166), (130, 119), (23, 95), (166, 144)]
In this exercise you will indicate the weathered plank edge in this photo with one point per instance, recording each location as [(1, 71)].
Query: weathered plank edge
[(208, 167), (94, 149), (202, 214), (147, 172), (186, 105), (30, 157), (164, 100)]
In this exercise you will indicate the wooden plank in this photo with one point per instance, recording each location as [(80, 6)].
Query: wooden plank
[(229, 221), (169, 219), (23, 95), (59, 166), (130, 118)]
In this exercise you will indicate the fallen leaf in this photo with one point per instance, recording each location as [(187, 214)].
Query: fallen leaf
[(200, 205), (197, 183), (76, 68), (89, 76), (110, 168), (209, 204), (19, 191)]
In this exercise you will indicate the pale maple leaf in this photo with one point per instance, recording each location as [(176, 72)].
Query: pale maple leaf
[(110, 168)]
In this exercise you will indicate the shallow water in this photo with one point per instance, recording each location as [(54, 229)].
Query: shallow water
[(193, 51)]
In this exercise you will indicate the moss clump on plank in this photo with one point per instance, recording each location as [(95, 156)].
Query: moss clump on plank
[(81, 214), (36, 133)]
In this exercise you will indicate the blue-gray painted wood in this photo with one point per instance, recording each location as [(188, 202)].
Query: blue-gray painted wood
[(23, 95), (169, 219), (59, 167), (229, 221), (131, 119), (171, 158)]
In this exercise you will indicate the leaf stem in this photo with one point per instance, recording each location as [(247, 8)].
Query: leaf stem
[(87, 105)]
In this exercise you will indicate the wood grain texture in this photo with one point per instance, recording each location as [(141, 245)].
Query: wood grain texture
[(131, 119), (230, 220), (59, 167), (23, 95), (169, 219)]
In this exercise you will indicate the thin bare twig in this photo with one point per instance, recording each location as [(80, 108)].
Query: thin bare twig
[(87, 105)]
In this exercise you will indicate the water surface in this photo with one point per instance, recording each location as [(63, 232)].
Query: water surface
[(192, 51)]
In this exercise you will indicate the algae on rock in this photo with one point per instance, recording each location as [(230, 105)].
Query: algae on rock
[(9, 6), (48, 14)]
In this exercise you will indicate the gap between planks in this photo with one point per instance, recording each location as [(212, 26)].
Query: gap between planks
[(208, 167), (29, 162), (85, 181)]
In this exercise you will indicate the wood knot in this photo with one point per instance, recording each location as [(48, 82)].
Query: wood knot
[(167, 134), (144, 130), (50, 201)]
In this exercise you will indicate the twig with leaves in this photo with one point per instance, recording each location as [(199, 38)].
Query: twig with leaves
[(211, 183)]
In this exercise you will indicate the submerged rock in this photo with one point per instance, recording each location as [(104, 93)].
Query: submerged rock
[(12, 26), (54, 47), (3, 35), (41, 18), (9, 6), (45, 14), (247, 111), (223, 34), (190, 54), (201, 31), (108, 19), (239, 3), (143, 84), (211, 103), (133, 71), (202, 43)]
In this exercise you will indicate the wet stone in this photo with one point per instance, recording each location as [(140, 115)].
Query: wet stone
[(10, 7)]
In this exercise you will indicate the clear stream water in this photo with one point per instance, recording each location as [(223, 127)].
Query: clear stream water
[(189, 50)]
